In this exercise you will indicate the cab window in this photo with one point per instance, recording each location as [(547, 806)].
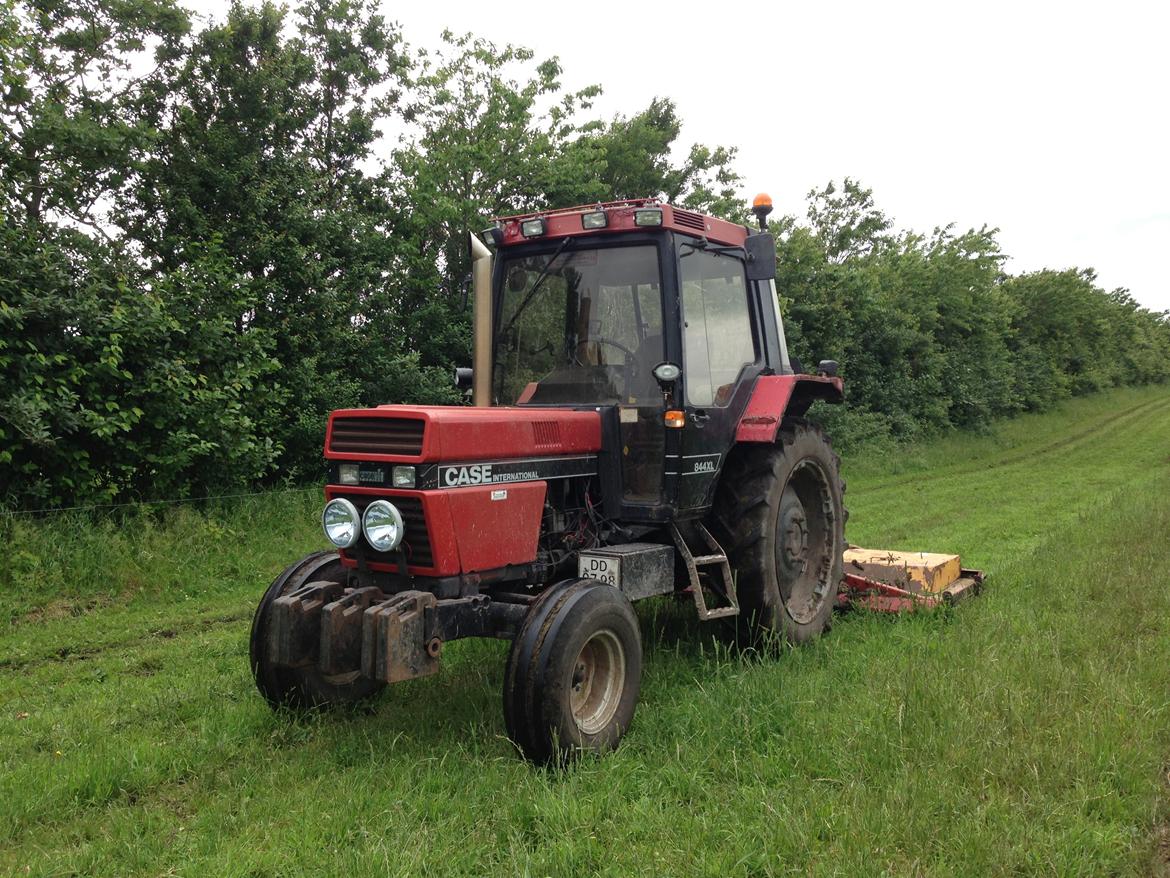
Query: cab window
[(717, 326)]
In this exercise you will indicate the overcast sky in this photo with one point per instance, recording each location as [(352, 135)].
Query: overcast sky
[(1047, 120)]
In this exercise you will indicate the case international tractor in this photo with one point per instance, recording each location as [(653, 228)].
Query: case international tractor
[(637, 430)]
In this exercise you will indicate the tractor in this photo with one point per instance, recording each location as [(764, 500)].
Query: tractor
[(637, 429)]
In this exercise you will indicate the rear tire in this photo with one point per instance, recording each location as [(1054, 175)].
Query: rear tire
[(779, 514), (574, 672), (302, 688)]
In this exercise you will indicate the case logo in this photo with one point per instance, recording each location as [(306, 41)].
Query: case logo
[(476, 474)]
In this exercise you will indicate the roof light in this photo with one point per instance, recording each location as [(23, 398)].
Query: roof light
[(532, 228), (594, 220), (648, 217)]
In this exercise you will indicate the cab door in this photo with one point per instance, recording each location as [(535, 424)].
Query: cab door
[(721, 359)]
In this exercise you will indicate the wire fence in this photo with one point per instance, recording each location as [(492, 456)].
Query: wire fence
[(52, 510)]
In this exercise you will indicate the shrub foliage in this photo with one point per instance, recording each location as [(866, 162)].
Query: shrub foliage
[(210, 238)]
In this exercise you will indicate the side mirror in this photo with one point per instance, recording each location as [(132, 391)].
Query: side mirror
[(761, 257), (828, 368)]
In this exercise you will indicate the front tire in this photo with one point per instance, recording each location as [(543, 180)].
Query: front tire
[(780, 516), (301, 688), (574, 672)]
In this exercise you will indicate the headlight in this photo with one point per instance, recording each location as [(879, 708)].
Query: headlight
[(349, 474), (402, 477), (340, 520), (383, 526)]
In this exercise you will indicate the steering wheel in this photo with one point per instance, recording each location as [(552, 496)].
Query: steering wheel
[(601, 339)]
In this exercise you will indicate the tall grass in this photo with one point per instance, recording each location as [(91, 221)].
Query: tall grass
[(1027, 731)]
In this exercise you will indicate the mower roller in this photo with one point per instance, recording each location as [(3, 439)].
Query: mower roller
[(638, 429)]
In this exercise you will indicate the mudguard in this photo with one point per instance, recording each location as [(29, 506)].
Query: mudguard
[(775, 396)]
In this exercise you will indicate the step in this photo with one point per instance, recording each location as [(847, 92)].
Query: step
[(720, 612), (701, 560)]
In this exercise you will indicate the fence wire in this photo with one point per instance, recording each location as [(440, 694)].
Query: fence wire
[(53, 510)]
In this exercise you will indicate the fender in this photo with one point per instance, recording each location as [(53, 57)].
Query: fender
[(776, 396)]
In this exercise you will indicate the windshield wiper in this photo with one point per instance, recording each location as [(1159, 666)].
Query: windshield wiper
[(544, 272), (705, 246)]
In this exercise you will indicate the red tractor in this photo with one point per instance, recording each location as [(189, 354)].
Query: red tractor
[(637, 430)]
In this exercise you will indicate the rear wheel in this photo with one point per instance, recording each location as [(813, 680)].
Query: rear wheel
[(780, 516), (301, 687), (574, 672)]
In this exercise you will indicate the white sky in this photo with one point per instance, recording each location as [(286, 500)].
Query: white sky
[(1048, 120)]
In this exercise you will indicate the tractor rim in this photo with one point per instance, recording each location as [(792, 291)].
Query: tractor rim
[(597, 683), (804, 541)]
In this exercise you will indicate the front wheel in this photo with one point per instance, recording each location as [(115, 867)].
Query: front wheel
[(574, 672)]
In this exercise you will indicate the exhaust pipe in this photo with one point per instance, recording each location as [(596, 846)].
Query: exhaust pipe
[(481, 356)]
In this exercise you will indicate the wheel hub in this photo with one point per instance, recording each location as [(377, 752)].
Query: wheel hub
[(597, 682), (795, 538), (804, 542)]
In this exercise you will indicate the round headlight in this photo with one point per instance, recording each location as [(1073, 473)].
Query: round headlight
[(340, 520), (382, 523)]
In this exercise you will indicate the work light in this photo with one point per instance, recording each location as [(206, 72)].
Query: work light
[(594, 220), (650, 217), (383, 526), (340, 521), (532, 228)]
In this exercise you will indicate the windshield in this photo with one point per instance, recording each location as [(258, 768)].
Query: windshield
[(580, 326)]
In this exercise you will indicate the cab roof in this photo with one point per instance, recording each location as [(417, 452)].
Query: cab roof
[(619, 217)]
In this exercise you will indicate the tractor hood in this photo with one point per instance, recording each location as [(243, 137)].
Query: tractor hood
[(431, 434)]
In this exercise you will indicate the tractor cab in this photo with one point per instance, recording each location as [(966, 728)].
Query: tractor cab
[(658, 318)]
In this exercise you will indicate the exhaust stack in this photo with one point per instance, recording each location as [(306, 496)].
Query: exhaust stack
[(481, 358)]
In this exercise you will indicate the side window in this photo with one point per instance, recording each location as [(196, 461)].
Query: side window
[(717, 326)]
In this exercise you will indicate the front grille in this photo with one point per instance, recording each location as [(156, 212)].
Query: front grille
[(416, 540), (402, 436), (690, 220)]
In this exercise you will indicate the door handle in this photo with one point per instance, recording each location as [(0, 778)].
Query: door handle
[(700, 418)]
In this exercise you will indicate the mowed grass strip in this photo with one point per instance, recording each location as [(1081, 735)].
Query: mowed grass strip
[(1026, 731)]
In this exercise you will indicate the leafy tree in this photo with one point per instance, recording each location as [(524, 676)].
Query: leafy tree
[(846, 221), (262, 145), (638, 163), (69, 119)]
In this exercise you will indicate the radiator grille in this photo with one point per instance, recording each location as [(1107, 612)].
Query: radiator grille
[(417, 539), (690, 220), (402, 436)]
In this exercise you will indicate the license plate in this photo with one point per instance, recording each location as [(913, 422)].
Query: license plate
[(602, 568)]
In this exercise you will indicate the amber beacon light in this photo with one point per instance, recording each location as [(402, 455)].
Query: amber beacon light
[(761, 207)]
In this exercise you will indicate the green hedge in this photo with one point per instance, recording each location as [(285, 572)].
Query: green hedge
[(199, 261)]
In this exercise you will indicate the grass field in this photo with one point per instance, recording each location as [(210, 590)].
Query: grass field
[(1025, 732)]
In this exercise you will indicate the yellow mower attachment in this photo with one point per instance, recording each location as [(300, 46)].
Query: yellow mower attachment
[(897, 581)]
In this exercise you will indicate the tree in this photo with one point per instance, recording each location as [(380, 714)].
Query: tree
[(637, 158), (263, 145), (72, 84), (847, 222)]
